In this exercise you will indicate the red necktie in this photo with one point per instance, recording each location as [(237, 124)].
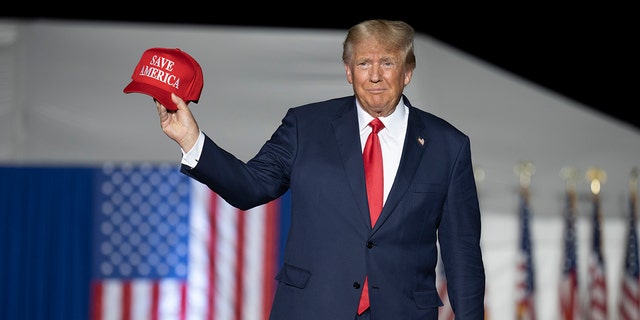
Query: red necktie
[(372, 156)]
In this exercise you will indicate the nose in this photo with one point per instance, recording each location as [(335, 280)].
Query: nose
[(376, 75)]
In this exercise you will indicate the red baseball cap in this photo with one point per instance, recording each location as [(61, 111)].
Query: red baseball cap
[(162, 71)]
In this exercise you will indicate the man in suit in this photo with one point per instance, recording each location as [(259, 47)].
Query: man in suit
[(340, 263)]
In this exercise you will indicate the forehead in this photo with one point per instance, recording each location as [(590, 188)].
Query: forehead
[(374, 48)]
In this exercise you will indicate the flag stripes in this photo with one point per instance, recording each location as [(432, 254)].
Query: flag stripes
[(629, 303), (194, 295), (171, 249), (597, 294), (568, 289), (525, 282)]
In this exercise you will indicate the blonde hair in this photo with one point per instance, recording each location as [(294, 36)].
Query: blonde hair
[(395, 35)]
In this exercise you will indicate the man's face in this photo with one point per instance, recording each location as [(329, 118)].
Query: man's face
[(378, 77)]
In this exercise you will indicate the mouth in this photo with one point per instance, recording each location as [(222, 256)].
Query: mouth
[(376, 90)]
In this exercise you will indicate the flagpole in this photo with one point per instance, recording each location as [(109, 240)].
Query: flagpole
[(568, 290), (596, 177), (597, 290), (570, 176), (525, 296), (525, 171)]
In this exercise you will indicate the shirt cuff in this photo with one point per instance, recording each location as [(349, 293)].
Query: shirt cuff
[(191, 157)]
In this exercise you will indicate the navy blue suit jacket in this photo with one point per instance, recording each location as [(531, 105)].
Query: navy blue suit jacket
[(331, 246)]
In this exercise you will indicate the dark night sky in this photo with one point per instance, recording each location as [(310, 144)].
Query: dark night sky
[(587, 54)]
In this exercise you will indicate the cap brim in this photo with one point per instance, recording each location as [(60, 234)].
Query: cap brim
[(162, 96)]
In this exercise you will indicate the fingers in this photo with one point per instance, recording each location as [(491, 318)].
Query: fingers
[(178, 101), (162, 111)]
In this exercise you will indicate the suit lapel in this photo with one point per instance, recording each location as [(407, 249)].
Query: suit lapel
[(347, 135), (415, 143)]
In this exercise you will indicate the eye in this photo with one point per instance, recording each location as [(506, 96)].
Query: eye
[(362, 65)]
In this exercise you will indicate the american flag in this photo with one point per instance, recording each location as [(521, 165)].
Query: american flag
[(167, 248), (597, 303), (568, 289), (525, 286), (629, 304)]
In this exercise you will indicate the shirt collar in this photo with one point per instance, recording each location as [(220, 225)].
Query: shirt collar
[(392, 122)]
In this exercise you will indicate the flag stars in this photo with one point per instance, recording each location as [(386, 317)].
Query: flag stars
[(139, 237)]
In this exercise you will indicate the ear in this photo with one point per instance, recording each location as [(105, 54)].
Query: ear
[(407, 77), (347, 71)]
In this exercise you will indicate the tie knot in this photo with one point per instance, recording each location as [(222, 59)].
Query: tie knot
[(376, 125)]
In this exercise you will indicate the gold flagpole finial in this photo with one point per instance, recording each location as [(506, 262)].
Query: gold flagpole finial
[(570, 176), (524, 170), (596, 177)]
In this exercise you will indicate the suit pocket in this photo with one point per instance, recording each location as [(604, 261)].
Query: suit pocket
[(429, 198), (427, 299), (293, 276)]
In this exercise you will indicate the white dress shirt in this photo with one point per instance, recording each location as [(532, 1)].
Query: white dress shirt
[(391, 140)]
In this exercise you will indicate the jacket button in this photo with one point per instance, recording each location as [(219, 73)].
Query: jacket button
[(356, 285), (369, 244)]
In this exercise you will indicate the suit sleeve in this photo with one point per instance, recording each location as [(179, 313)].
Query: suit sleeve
[(263, 178), (459, 236)]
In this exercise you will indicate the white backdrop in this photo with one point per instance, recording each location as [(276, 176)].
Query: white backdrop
[(61, 102)]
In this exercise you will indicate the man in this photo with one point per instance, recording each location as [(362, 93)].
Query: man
[(340, 262)]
